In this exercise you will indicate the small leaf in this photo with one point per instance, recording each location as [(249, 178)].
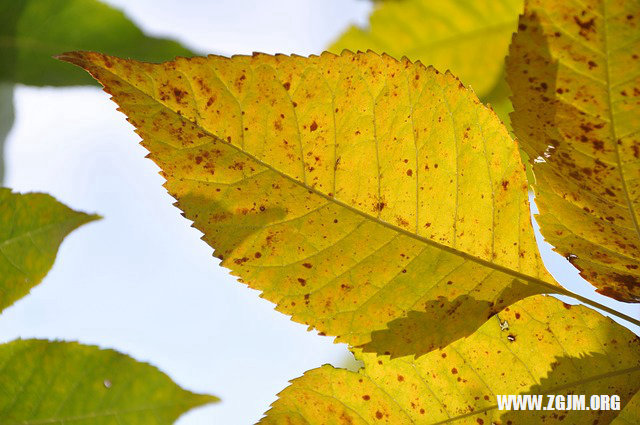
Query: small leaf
[(32, 227), (549, 348), (33, 30), (45, 382), (575, 73), (373, 199), (468, 37)]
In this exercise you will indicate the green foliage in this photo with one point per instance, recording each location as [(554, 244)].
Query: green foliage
[(45, 382), (32, 226), (32, 31)]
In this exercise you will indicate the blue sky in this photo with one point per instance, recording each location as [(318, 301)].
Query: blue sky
[(141, 280)]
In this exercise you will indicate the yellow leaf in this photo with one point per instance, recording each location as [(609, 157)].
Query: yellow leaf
[(373, 199), (468, 37), (548, 348), (575, 73)]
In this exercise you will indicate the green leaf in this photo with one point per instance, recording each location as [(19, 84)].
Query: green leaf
[(537, 346), (32, 226), (575, 73), (45, 382), (468, 37), (32, 31), (376, 200)]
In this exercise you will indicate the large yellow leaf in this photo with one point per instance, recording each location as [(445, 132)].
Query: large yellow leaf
[(359, 193), (574, 70), (468, 37), (548, 348)]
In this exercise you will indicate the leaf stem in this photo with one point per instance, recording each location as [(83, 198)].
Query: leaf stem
[(595, 304)]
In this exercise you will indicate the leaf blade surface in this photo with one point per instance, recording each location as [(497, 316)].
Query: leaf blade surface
[(332, 185), (45, 382), (548, 348), (575, 76), (32, 227)]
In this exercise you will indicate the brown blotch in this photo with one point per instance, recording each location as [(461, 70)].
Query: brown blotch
[(307, 265), (366, 397), (454, 371), (378, 414), (302, 281), (313, 126), (400, 378), (409, 173), (627, 280), (585, 25), (257, 255), (287, 85), (179, 94), (505, 183)]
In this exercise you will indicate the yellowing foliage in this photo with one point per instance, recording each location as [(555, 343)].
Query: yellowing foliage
[(574, 70), (468, 37), (548, 348), (373, 199)]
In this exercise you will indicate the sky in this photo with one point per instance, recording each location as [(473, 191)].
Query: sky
[(141, 281)]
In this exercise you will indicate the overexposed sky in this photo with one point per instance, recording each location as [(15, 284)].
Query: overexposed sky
[(141, 280)]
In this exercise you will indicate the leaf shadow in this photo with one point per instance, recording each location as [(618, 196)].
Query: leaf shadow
[(561, 380), (442, 322), (226, 227)]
